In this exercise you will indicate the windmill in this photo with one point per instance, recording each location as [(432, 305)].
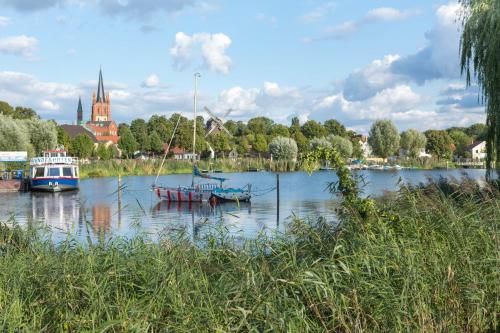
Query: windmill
[(216, 123)]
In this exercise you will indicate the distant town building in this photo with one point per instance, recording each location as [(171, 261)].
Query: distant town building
[(421, 153), (477, 150), (101, 124), (365, 147), (180, 153)]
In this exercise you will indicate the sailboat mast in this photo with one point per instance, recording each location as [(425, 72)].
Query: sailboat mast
[(196, 76)]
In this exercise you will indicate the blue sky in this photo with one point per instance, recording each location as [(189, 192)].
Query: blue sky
[(355, 61)]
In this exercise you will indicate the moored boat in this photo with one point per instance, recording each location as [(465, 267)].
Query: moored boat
[(54, 172)]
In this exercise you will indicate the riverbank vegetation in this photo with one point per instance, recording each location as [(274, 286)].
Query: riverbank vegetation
[(425, 259)]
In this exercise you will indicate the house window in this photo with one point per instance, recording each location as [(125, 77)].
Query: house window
[(54, 172)]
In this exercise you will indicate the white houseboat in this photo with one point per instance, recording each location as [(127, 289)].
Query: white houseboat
[(54, 172)]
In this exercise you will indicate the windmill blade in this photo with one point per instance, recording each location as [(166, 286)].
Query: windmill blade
[(227, 113), (210, 112)]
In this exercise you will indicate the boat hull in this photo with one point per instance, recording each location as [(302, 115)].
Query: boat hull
[(182, 194), (54, 184)]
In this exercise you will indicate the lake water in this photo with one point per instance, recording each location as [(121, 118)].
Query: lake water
[(100, 209)]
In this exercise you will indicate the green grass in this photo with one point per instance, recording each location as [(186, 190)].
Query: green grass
[(435, 268)]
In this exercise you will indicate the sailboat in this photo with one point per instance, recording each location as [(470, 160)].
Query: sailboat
[(200, 192)]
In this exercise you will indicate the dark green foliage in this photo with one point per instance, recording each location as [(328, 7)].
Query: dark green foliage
[(260, 143), (63, 138), (313, 129), (384, 138), (461, 141), (335, 128), (260, 125), (82, 146), (156, 144), (439, 143), (127, 142)]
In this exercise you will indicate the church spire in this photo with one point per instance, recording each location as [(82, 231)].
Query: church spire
[(79, 112), (101, 97)]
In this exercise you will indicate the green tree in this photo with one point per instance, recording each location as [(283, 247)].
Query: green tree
[(156, 143), (24, 113), (280, 130), (461, 141), (313, 129), (341, 144), (139, 129), (162, 126), (260, 125), (413, 141), (260, 144), (63, 138), (439, 143), (14, 135), (6, 109), (242, 146), (127, 142), (334, 127), (283, 148), (384, 138), (220, 143), (82, 146), (43, 134), (479, 49), (301, 140), (320, 143), (103, 152), (477, 131)]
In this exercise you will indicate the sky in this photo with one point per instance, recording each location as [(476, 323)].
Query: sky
[(350, 60)]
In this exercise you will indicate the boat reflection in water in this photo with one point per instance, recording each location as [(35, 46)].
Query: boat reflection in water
[(58, 210), (64, 211), (203, 215)]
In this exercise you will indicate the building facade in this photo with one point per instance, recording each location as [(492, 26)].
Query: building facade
[(477, 150)]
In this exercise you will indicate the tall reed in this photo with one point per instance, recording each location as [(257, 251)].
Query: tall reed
[(433, 268)]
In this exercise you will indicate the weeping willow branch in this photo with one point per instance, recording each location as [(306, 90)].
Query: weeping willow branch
[(346, 186), (480, 60)]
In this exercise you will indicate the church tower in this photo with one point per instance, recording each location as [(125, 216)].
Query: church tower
[(79, 112), (100, 103)]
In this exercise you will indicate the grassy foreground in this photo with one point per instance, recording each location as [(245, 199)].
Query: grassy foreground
[(434, 268)]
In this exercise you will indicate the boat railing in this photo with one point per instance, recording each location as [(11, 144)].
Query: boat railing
[(67, 160)]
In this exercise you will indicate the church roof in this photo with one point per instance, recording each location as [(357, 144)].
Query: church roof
[(74, 130), (101, 97), (104, 123)]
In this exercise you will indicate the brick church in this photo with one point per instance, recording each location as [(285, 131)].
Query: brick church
[(100, 124)]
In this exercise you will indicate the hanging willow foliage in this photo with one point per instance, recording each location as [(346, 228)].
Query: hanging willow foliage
[(480, 59)]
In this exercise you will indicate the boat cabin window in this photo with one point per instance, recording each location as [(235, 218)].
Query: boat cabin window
[(54, 172), (76, 172), (67, 172), (39, 172)]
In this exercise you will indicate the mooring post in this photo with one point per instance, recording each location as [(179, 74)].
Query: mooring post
[(277, 199)]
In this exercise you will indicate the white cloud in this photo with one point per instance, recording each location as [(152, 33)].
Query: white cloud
[(151, 81), (381, 14), (4, 21), (71, 52), (389, 14), (48, 105), (440, 58), (319, 12), (19, 45), (213, 48)]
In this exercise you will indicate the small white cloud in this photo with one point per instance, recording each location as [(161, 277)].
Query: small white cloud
[(389, 14), (50, 106), (151, 81), (71, 52), (213, 48), (319, 12), (4, 21), (19, 45)]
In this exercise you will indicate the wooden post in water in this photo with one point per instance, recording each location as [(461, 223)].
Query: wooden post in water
[(277, 200)]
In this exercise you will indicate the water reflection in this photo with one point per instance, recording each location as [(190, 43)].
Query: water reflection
[(58, 210), (112, 207)]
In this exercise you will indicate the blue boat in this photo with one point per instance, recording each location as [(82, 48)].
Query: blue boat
[(54, 172)]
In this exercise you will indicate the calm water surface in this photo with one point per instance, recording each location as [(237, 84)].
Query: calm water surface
[(100, 209)]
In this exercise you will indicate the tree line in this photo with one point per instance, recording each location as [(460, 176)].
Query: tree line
[(22, 129)]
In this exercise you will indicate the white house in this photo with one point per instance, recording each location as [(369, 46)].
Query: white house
[(421, 153), (181, 154), (365, 147), (477, 150)]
